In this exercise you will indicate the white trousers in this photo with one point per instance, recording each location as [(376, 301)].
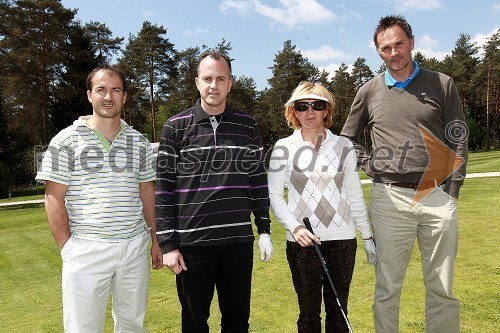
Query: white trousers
[(94, 269), (433, 221)]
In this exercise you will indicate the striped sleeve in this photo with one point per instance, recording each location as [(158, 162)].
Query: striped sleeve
[(259, 187), (165, 186), (147, 162), (57, 160)]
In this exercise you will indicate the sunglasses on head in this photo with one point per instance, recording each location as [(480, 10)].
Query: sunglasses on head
[(316, 105)]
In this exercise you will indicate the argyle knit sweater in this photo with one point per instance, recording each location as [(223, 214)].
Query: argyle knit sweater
[(322, 184)]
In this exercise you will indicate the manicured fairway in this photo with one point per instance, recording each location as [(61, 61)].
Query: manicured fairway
[(30, 277)]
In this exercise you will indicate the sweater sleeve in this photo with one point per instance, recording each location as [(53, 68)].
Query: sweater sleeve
[(277, 181), (456, 135), (165, 186), (355, 195), (354, 126)]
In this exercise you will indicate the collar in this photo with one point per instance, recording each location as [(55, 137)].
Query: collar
[(82, 122), (199, 114), (297, 135), (391, 82)]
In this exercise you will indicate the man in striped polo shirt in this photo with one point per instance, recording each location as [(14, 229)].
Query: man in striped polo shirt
[(99, 200), (210, 179)]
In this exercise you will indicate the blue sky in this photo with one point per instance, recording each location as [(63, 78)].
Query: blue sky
[(327, 32)]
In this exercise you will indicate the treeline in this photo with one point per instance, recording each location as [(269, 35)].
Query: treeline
[(46, 54)]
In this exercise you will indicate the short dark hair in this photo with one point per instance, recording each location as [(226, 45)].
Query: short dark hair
[(112, 69), (216, 55), (390, 20)]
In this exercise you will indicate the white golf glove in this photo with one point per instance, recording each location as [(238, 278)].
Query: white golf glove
[(371, 253), (265, 247)]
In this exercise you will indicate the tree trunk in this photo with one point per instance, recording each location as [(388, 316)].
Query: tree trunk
[(488, 109), (152, 101), (44, 104)]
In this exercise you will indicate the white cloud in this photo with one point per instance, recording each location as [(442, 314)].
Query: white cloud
[(241, 7), (481, 39), (325, 53), (331, 68), (430, 53), (426, 41), (426, 45), (496, 6), (417, 5), (148, 14), (195, 31), (292, 13)]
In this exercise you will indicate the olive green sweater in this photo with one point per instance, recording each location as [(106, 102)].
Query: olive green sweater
[(398, 120)]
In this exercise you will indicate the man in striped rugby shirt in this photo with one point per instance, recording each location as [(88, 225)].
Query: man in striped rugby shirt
[(210, 179)]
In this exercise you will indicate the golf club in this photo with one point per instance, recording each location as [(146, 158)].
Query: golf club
[(307, 223)]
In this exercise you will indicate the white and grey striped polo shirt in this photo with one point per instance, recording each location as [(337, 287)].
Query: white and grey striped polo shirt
[(102, 200)]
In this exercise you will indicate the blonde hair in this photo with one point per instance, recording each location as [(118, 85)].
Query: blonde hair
[(306, 88)]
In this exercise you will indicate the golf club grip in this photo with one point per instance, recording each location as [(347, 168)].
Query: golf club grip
[(308, 225)]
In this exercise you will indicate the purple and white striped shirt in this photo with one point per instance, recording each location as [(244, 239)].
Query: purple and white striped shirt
[(210, 180)]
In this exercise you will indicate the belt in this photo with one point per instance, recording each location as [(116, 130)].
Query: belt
[(415, 185)]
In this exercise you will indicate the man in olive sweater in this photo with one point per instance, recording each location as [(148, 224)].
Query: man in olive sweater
[(419, 141)]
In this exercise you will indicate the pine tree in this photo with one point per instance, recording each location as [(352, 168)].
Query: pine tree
[(35, 34), (103, 41), (149, 59), (289, 69)]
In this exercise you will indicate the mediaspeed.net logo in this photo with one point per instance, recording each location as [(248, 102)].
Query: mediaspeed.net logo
[(443, 161)]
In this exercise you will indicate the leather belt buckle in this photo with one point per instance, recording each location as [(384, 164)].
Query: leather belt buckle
[(415, 185), (410, 185)]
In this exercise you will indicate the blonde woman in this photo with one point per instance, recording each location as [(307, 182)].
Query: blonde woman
[(319, 170)]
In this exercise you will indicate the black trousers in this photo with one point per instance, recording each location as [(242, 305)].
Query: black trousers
[(309, 282), (225, 267)]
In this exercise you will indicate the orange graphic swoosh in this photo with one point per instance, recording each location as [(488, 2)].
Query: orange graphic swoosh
[(443, 161)]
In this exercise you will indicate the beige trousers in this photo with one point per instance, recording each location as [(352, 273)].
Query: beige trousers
[(434, 223), (92, 270)]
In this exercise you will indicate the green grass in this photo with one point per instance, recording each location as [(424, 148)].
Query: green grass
[(30, 277), (487, 161)]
